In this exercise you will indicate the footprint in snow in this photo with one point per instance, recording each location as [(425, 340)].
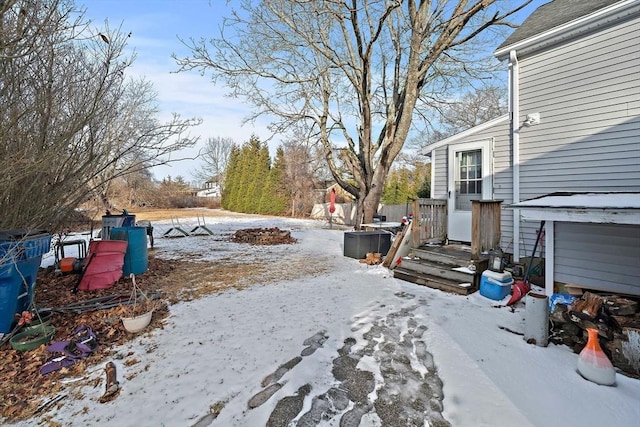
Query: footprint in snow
[(314, 342), (264, 395), (278, 373)]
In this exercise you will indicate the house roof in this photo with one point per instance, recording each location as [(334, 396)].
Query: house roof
[(559, 17), (603, 207), (464, 134)]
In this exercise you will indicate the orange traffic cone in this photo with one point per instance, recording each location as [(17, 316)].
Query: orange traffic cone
[(518, 290)]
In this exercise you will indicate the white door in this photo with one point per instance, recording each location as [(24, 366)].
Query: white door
[(469, 179)]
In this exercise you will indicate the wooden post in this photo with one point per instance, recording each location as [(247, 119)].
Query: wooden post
[(485, 226)]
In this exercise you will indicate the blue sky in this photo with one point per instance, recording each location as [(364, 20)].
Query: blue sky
[(155, 26)]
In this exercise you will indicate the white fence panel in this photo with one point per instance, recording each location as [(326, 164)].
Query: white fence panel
[(345, 213)]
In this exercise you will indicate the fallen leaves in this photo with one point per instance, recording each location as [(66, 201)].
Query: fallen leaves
[(23, 387), (263, 236)]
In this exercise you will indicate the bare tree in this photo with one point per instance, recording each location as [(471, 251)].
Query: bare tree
[(474, 108), (71, 121), (356, 70), (215, 158), (471, 109), (132, 137), (299, 178)]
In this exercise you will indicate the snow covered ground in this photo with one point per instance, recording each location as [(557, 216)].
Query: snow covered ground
[(342, 344)]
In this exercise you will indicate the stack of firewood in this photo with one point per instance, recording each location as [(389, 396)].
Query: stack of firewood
[(372, 258), (617, 320)]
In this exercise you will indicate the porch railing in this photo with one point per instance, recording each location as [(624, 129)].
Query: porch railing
[(429, 222)]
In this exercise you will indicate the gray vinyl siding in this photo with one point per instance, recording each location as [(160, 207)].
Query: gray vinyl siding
[(588, 95), (501, 169), (603, 256), (502, 155), (440, 165), (587, 92)]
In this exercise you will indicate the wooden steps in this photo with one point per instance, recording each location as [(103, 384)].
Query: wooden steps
[(434, 282), (442, 267)]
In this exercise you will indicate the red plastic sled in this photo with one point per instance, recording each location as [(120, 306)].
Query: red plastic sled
[(103, 267)]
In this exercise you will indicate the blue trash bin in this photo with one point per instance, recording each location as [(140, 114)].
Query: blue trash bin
[(20, 257)]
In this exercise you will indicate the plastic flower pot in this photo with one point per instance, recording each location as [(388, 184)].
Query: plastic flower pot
[(32, 338), (138, 301), (137, 323)]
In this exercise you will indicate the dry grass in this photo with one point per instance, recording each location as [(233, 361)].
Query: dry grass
[(152, 214)]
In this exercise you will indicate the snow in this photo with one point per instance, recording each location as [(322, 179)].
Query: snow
[(584, 201), (215, 351)]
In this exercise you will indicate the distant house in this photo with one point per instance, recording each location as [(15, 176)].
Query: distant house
[(573, 128), (212, 188)]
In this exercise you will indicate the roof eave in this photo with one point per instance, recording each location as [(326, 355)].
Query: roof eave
[(464, 134), (571, 29)]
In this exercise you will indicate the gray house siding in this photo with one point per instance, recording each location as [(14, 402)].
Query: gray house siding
[(584, 82), (602, 256), (440, 165), (502, 156), (501, 169), (587, 93)]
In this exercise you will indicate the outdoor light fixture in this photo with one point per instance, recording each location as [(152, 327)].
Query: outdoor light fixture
[(532, 119), (496, 260)]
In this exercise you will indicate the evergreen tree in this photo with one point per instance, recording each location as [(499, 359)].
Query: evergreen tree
[(397, 189), (256, 172), (274, 199), (231, 179), (407, 183), (245, 178), (248, 171), (262, 177), (424, 192)]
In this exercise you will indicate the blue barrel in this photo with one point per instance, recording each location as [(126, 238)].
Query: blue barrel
[(21, 252), (135, 259), (9, 291)]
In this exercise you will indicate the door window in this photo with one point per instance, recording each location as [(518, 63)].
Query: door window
[(468, 178)]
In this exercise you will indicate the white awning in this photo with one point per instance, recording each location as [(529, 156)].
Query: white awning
[(610, 208)]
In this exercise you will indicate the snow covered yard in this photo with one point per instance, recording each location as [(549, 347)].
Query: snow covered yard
[(322, 339)]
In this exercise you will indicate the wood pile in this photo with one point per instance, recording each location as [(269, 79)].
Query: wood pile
[(617, 320), (263, 236), (372, 258)]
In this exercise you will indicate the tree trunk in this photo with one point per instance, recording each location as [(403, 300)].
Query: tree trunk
[(293, 206), (368, 202)]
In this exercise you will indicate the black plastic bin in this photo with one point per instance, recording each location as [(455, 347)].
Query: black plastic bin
[(358, 243)]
